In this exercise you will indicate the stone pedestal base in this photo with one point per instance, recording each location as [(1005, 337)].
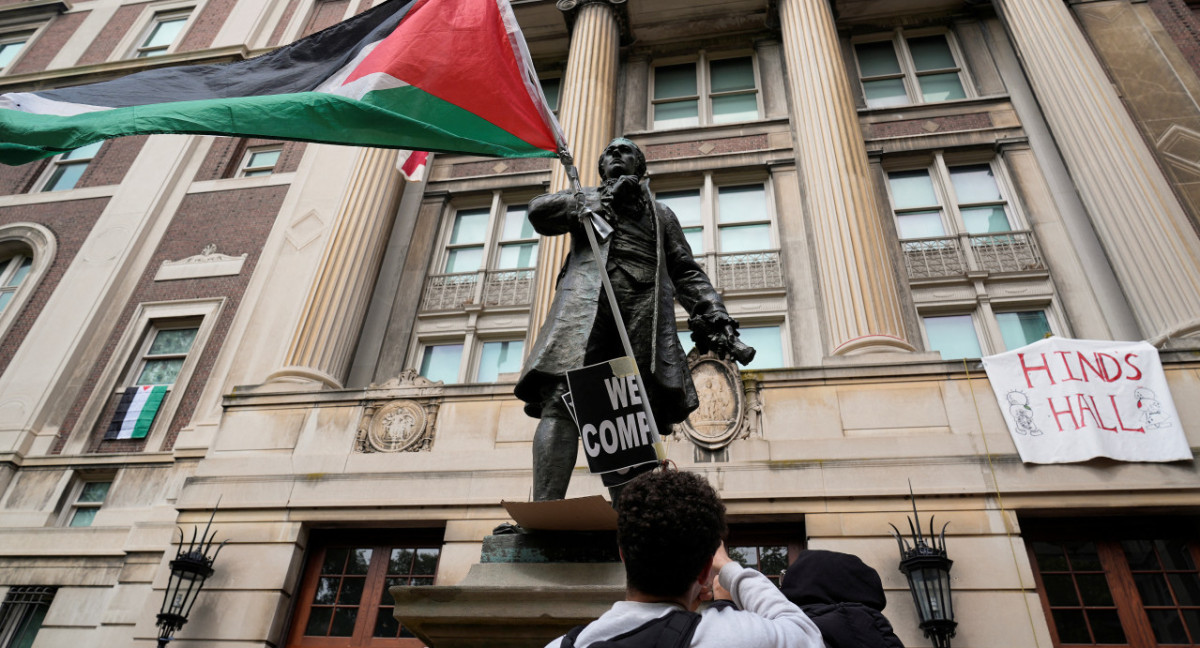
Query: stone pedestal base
[(528, 589)]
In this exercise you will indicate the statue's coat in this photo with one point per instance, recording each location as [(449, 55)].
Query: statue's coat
[(562, 341)]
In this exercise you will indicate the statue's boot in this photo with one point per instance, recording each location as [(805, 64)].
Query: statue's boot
[(555, 447)]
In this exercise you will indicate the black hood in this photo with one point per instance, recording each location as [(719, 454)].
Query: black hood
[(820, 576)]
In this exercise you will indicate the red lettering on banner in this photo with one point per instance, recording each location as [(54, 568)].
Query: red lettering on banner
[(1129, 362), (1030, 369), (1084, 365), (1096, 413), (1113, 400), (1058, 413), (1067, 365), (1111, 375)]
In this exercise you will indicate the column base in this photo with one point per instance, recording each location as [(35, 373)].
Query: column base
[(873, 344), (299, 379)]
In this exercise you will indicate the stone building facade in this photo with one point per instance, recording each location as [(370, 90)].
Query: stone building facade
[(883, 190)]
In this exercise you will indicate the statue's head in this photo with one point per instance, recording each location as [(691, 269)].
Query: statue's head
[(622, 157)]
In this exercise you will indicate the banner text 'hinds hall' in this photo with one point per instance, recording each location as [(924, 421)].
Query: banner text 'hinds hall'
[(1072, 400)]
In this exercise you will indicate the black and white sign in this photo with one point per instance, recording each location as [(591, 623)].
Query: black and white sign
[(607, 403)]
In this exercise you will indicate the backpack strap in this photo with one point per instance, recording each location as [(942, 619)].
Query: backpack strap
[(680, 626), (568, 640)]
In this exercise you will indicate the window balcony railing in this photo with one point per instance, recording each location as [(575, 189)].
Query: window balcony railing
[(744, 270), (502, 288), (491, 288), (955, 256)]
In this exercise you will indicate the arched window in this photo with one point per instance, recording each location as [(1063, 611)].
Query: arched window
[(26, 252)]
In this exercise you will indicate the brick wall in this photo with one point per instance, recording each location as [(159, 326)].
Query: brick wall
[(112, 33), (281, 26), (41, 51), (236, 222), (71, 222), (112, 161), (226, 155), (20, 179), (109, 167), (326, 14), (1180, 21), (910, 127), (204, 27)]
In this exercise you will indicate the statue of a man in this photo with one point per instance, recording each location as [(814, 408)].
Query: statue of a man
[(650, 265)]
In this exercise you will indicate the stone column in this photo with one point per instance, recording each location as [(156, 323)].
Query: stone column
[(858, 286), (587, 113), (323, 344), (1146, 235)]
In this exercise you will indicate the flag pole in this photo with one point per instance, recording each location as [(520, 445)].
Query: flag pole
[(585, 219)]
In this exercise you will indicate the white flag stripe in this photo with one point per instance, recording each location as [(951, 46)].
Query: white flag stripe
[(135, 410)]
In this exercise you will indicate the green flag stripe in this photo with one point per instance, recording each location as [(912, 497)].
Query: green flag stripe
[(403, 117), (149, 410)]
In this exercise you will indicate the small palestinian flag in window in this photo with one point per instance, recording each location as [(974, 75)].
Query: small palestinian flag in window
[(135, 412)]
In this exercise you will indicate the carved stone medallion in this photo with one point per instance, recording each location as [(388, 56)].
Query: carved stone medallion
[(398, 426), (721, 414)]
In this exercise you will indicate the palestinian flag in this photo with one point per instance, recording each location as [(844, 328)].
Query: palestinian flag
[(135, 412), (429, 75)]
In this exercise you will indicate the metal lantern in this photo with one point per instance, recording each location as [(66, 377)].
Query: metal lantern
[(191, 567), (927, 568)]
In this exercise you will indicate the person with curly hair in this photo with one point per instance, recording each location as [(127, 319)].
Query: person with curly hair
[(670, 526)]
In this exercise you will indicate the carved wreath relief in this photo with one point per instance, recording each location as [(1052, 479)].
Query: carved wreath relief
[(400, 425), (728, 409)]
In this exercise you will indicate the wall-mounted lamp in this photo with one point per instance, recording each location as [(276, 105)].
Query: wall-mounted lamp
[(191, 567), (927, 568)]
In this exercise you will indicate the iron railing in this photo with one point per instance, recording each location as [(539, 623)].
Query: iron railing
[(493, 288), (955, 256)]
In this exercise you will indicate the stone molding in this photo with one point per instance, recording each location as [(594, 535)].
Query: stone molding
[(209, 263)]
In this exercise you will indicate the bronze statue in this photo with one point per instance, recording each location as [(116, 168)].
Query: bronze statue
[(650, 265)]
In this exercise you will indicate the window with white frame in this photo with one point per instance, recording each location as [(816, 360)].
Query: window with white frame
[(943, 199), (161, 34), (499, 357), (260, 161), (141, 386), (14, 270), (67, 168), (954, 215), (971, 335), (441, 362), (710, 90), (22, 612), (164, 351), (89, 496), (450, 363), (488, 256), (910, 68), (729, 224), (722, 218), (27, 251), (11, 46)]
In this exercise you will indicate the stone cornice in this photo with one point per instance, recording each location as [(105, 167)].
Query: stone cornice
[(30, 11), (114, 69)]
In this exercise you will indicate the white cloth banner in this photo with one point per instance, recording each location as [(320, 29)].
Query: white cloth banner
[(1072, 400)]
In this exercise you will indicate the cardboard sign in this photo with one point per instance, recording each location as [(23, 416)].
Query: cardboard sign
[(1072, 400), (606, 401)]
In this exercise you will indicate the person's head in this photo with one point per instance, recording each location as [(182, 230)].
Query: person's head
[(669, 525), (622, 157)]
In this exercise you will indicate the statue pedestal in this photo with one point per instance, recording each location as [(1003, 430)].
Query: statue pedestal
[(528, 589)]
